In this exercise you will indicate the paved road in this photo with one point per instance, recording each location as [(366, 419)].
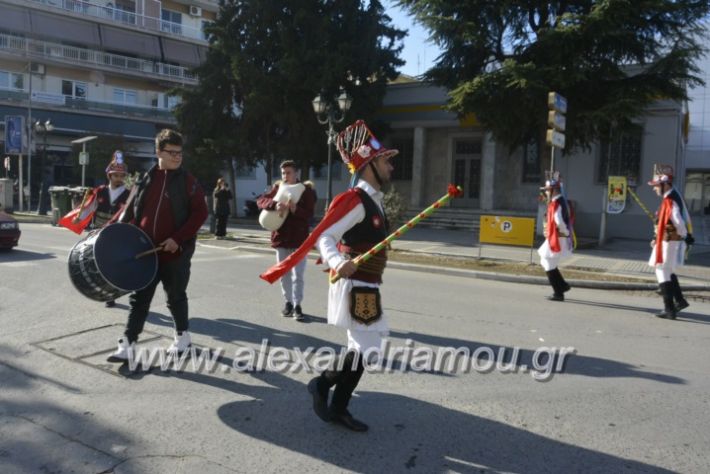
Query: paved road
[(634, 397)]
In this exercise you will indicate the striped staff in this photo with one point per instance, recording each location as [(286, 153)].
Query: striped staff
[(641, 205), (452, 192)]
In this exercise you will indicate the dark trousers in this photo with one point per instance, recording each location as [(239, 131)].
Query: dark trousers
[(345, 381), (221, 225), (175, 276)]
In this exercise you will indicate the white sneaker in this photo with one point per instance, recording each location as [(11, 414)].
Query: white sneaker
[(124, 351), (181, 342)]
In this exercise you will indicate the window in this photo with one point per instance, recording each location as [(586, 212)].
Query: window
[(205, 24), (125, 12), (531, 162), (11, 80), (125, 96), (403, 162), (74, 89), (625, 159), (172, 21)]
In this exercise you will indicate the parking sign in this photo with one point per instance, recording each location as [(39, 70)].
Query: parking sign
[(14, 134)]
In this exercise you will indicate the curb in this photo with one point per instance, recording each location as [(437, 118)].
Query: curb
[(504, 277)]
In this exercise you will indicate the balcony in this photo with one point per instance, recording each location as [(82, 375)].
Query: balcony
[(126, 18), (20, 97), (49, 51)]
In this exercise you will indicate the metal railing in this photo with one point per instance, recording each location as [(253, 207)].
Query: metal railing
[(88, 57), (132, 110), (125, 17)]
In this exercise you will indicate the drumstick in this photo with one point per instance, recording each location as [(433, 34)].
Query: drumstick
[(148, 252)]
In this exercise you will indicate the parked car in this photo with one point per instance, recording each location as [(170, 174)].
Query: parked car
[(9, 231)]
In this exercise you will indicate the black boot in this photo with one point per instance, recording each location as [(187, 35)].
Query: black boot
[(680, 302), (669, 311), (343, 392), (553, 278), (564, 286)]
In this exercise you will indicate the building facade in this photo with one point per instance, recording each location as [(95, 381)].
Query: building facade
[(97, 67), (437, 148)]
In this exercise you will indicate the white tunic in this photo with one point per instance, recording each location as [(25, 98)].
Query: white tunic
[(339, 292), (673, 251)]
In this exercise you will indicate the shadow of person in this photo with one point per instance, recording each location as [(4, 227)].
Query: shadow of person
[(573, 364), (407, 433), (19, 255), (612, 305)]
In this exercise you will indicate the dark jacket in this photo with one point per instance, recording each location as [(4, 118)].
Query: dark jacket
[(105, 210), (295, 228), (168, 204), (221, 199)]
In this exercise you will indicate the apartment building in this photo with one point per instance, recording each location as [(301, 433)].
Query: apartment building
[(97, 67)]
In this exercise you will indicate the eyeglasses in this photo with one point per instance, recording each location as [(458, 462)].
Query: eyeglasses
[(173, 153)]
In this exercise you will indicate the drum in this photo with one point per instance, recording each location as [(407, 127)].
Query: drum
[(103, 266)]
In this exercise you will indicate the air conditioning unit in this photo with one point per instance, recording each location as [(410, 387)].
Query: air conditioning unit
[(37, 68), (195, 11)]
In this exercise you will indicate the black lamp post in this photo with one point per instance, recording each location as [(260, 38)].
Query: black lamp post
[(327, 112), (44, 128)]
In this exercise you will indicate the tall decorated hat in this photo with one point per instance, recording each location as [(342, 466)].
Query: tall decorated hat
[(661, 174), (117, 165), (358, 146), (552, 180)]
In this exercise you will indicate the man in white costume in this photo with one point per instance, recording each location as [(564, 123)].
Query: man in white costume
[(671, 233), (558, 237)]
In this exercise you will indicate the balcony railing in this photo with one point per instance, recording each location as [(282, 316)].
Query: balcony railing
[(132, 110), (125, 17), (88, 57)]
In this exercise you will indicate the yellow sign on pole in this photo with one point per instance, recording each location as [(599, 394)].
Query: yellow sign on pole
[(504, 230), (616, 198)]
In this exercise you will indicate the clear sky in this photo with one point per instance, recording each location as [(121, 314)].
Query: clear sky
[(418, 53)]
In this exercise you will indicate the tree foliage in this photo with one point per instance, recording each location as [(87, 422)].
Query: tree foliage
[(268, 59), (609, 58)]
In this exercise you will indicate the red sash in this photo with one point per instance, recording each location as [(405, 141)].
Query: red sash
[(341, 205), (664, 215), (553, 234)]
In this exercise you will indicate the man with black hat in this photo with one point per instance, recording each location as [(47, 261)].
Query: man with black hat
[(558, 236), (672, 230)]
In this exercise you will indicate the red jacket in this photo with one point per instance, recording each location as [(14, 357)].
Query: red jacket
[(295, 228)]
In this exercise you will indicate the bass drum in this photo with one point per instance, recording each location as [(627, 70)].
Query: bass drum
[(103, 265)]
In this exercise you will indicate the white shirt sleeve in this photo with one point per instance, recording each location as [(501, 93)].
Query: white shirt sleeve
[(561, 226), (328, 241), (677, 220)]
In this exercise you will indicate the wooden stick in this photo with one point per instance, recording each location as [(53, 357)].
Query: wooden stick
[(452, 192), (148, 252)]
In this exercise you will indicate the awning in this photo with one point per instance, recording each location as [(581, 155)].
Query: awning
[(179, 52), (46, 25), (15, 20), (138, 44)]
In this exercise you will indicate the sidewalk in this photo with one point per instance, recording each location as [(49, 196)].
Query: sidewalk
[(624, 257)]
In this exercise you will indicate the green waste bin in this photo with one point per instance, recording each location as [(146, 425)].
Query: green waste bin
[(61, 202), (77, 195)]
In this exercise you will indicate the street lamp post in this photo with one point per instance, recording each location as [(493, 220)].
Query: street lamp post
[(44, 128), (328, 113)]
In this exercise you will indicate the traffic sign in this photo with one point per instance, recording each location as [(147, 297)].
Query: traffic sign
[(84, 158), (556, 102), (555, 138), (556, 120)]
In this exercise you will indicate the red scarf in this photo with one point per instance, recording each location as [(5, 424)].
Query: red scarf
[(664, 215), (553, 234), (341, 205)]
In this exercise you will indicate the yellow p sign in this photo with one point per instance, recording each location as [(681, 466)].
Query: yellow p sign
[(504, 230)]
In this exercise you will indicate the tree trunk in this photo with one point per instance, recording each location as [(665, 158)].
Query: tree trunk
[(233, 185)]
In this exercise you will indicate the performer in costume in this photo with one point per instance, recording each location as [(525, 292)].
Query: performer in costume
[(558, 236), (287, 238), (354, 223), (672, 231), (112, 196), (169, 205)]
